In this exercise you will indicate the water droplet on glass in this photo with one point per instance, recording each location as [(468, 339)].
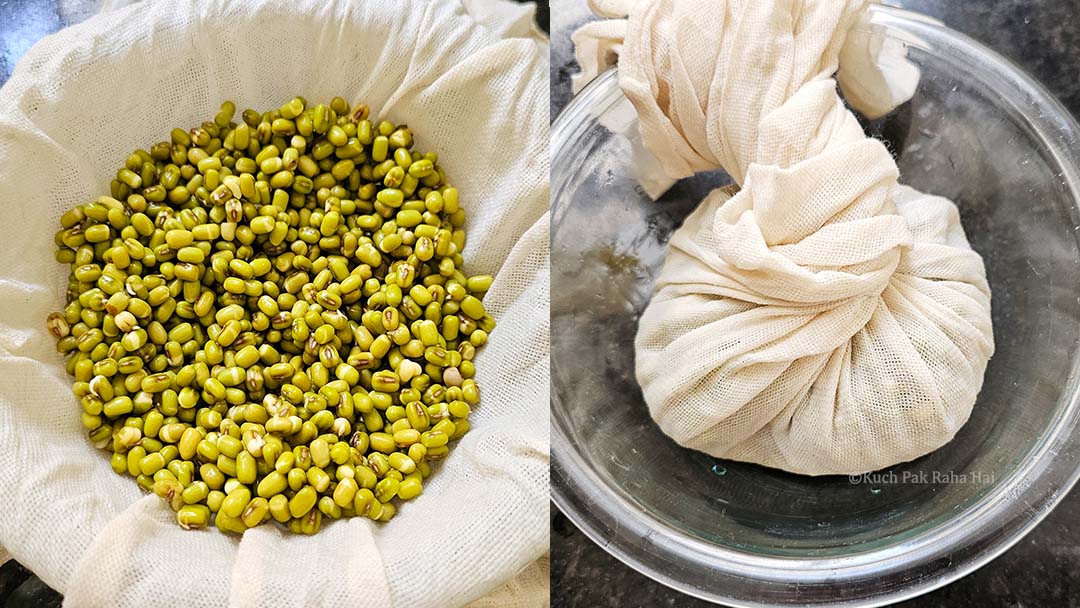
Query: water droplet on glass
[(719, 469)]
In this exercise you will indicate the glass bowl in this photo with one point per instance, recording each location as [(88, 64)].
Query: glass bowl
[(977, 131)]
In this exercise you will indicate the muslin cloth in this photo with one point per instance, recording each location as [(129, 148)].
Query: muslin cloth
[(75, 107), (820, 317)]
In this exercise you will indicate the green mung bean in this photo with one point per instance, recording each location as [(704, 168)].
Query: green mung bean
[(268, 320)]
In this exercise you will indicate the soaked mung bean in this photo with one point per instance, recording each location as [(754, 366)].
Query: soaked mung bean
[(269, 320)]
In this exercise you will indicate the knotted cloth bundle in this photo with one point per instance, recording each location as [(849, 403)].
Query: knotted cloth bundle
[(823, 319)]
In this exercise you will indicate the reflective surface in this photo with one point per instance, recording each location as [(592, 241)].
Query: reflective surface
[(24, 22), (976, 132)]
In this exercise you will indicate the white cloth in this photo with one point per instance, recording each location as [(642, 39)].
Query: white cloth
[(823, 319), (874, 73), (81, 100)]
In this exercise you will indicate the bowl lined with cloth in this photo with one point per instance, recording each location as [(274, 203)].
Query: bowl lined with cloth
[(75, 107), (976, 131)]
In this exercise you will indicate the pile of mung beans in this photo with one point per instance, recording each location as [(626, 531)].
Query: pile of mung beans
[(268, 319)]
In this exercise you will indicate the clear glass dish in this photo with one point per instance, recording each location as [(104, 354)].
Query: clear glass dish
[(977, 131)]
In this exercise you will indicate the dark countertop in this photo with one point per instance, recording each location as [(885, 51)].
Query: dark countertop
[(1043, 569), (22, 23)]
